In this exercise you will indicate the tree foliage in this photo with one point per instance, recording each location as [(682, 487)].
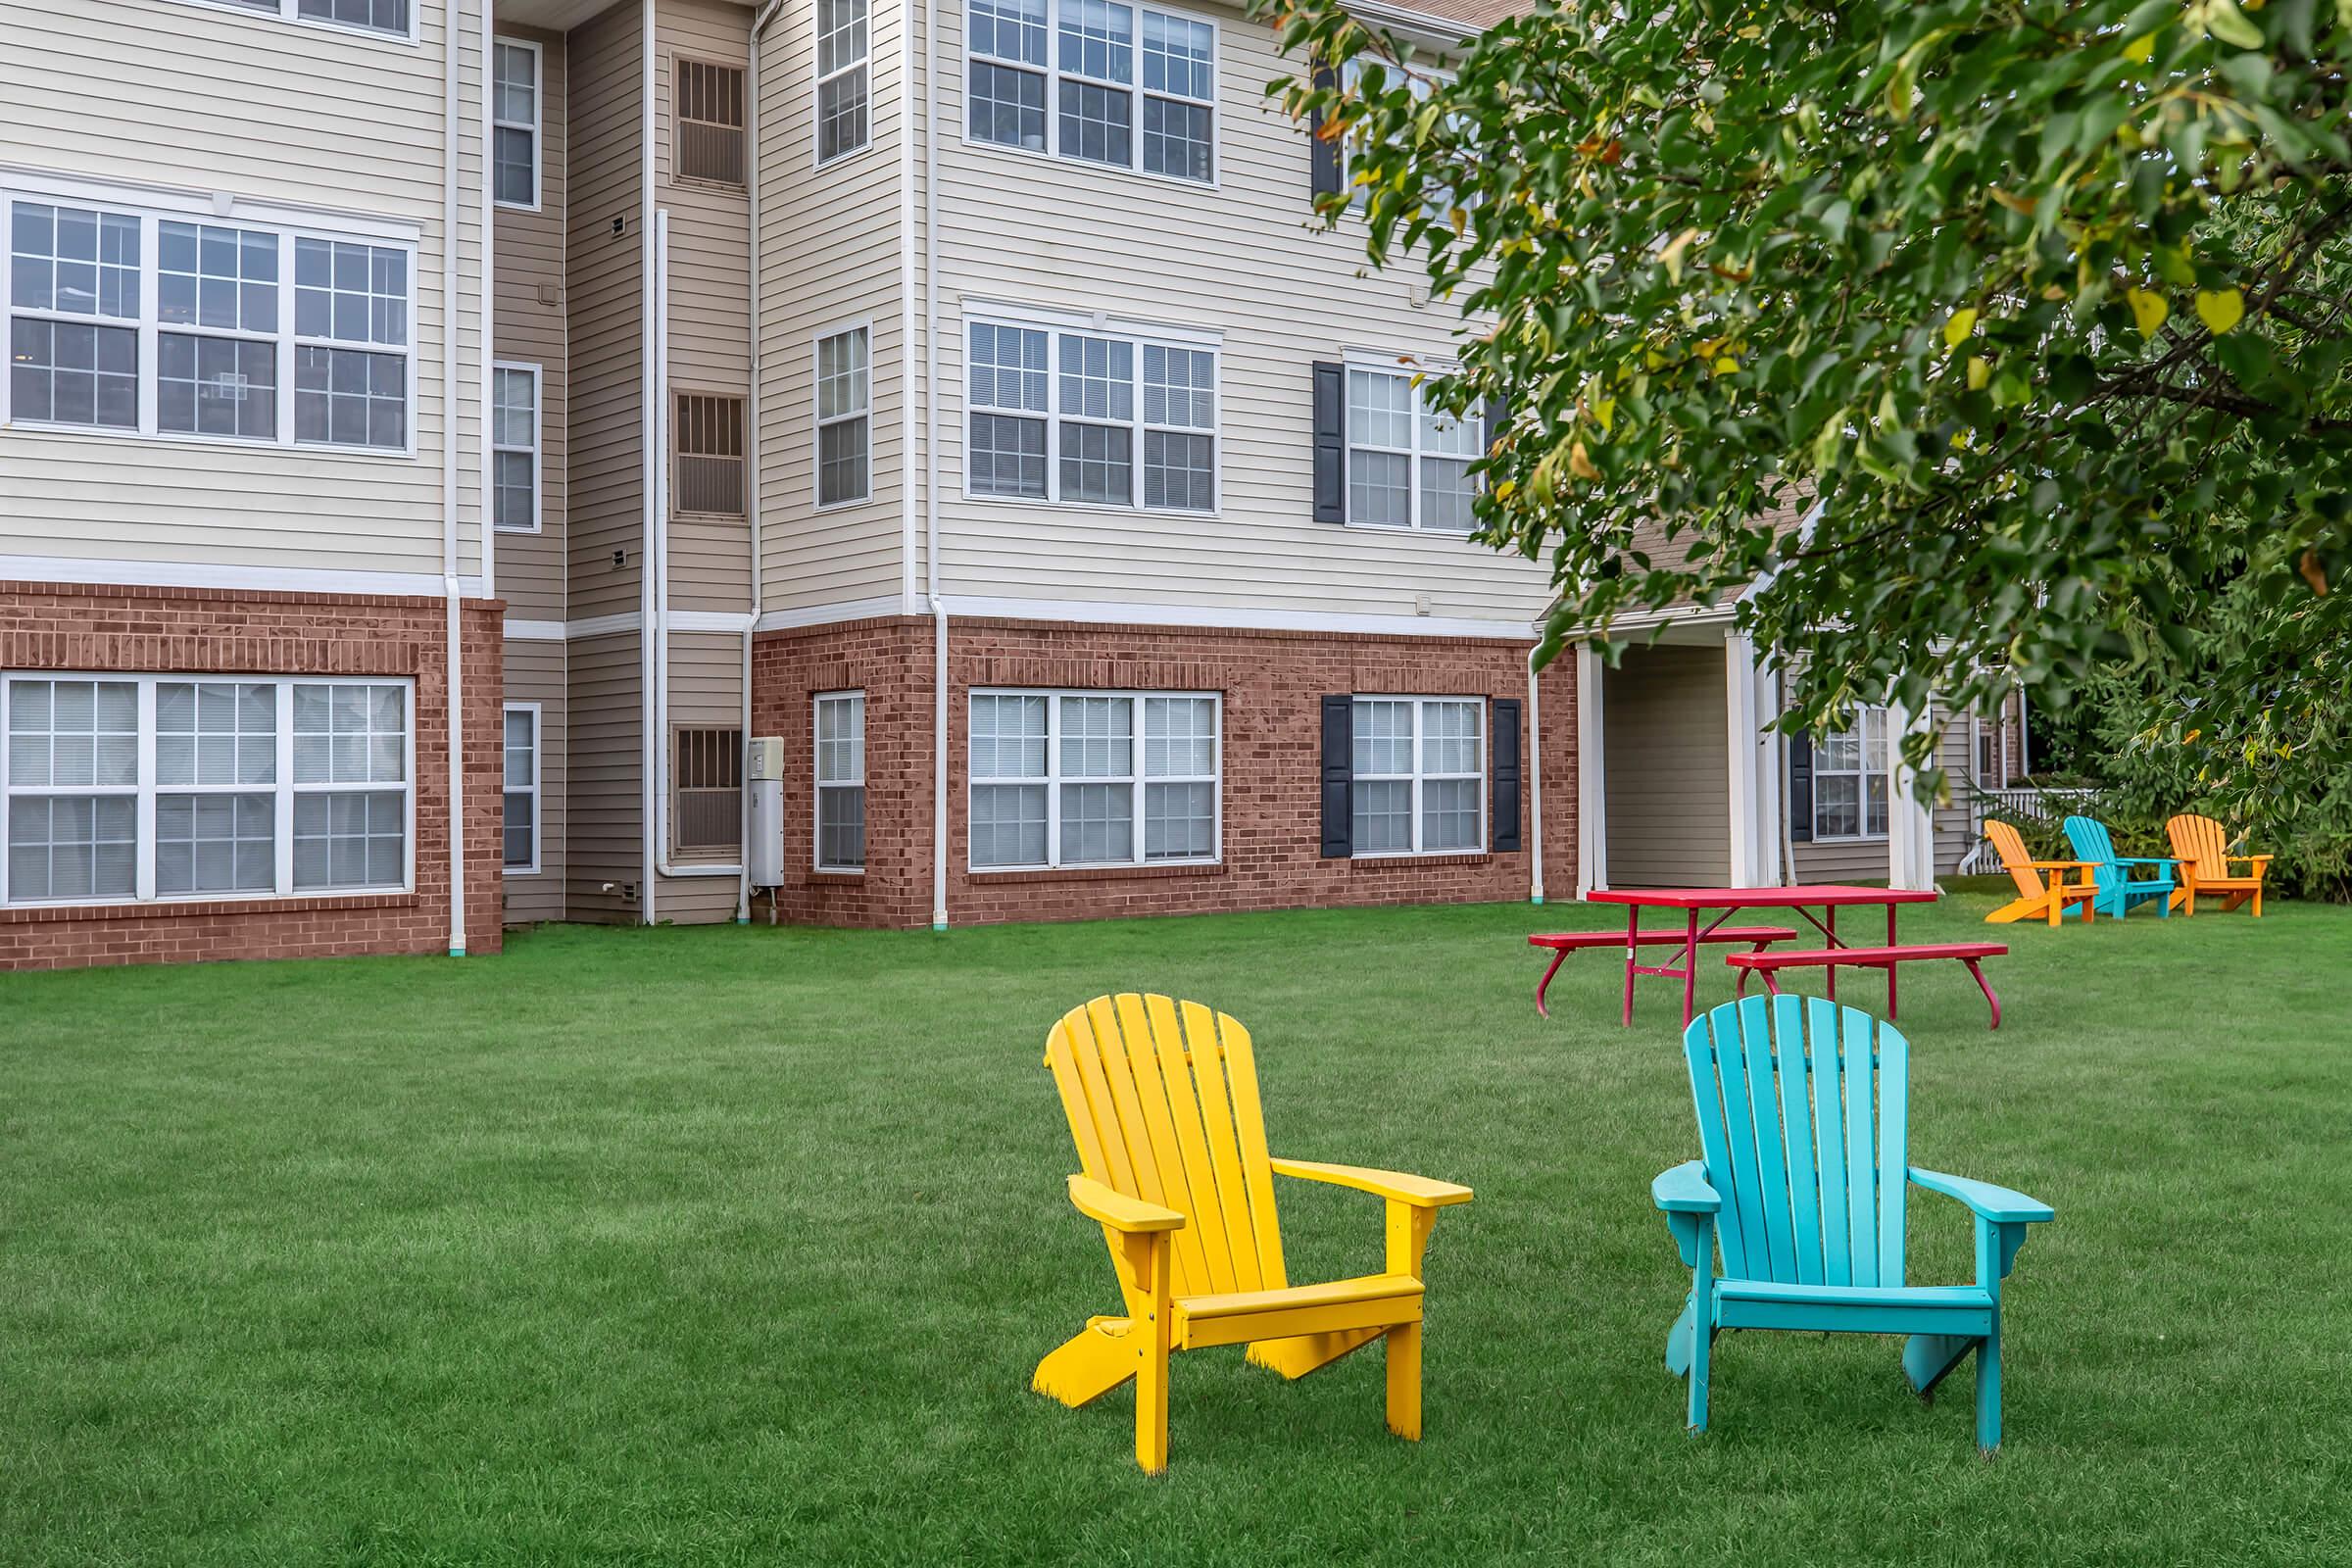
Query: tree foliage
[(2036, 311)]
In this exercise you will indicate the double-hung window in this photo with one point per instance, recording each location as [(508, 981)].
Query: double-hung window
[(172, 323), (1409, 466), (1092, 417), (844, 417), (139, 788), (515, 447), (515, 123), (841, 781), (1419, 775), (1068, 779), (1849, 779), (521, 800), (1128, 86), (842, 51), (395, 18)]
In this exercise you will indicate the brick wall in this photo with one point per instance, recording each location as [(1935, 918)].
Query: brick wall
[(1272, 683), (47, 626)]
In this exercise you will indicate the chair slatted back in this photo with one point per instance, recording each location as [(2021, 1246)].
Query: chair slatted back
[(1803, 1121), (2202, 842), (2093, 843), (2011, 845), (1162, 1101)]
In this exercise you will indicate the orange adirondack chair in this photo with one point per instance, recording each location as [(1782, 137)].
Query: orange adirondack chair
[(2202, 847), (1168, 1128), (2036, 901)]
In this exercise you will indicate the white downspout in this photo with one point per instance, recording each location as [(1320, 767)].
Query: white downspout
[(939, 606), (453, 589), (751, 436), (1535, 784), (649, 563)]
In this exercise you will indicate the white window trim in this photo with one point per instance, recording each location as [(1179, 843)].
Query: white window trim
[(1053, 73), (153, 208), (816, 804), (289, 11), (538, 441), (538, 810), (816, 98), (1418, 777), (284, 790), (1861, 773), (1055, 325), (1135, 777), (536, 126), (817, 476), (1419, 372)]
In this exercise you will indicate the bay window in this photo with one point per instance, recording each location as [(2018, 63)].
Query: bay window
[(1075, 778), (139, 788)]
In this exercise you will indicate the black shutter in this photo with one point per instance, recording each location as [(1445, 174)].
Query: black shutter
[(1330, 442), (1498, 415), (1506, 773), (1338, 777), (1800, 788), (1324, 152)]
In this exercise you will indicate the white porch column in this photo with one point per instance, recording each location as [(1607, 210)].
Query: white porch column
[(1752, 865), (1592, 778), (1910, 831)]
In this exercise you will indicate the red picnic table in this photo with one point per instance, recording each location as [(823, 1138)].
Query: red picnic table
[(1828, 897)]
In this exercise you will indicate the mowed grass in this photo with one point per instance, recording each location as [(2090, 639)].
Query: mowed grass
[(730, 1245)]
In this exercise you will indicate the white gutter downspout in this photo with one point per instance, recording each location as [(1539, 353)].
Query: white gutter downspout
[(939, 606), (751, 435), (649, 563), (1535, 784), (452, 588)]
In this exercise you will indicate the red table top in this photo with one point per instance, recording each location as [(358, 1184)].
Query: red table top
[(1820, 895)]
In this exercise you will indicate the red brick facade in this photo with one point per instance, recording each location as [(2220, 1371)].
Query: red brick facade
[(1272, 683), (47, 626)]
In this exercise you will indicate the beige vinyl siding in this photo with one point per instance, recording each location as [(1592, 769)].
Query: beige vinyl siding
[(1667, 751), (1235, 259), (604, 274), (529, 256), (535, 673), (829, 257), (1866, 860), (199, 99), (605, 773)]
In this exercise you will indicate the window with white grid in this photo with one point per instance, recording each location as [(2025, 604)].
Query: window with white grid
[(519, 799), (1849, 779), (156, 322), (515, 447), (842, 44), (1419, 775), (841, 781), (1072, 778), (1409, 466), (844, 417), (392, 17), (122, 789), (515, 123), (1128, 86), (1093, 418)]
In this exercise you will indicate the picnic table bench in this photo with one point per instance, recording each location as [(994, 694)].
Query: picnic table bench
[(1831, 958), (1563, 942)]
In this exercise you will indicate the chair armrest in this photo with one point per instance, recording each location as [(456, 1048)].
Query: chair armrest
[(1418, 1190), (2252, 860), (1996, 1203), (2062, 865), (2145, 860), (1117, 1210), (1684, 1190)]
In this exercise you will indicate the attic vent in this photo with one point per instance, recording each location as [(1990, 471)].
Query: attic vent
[(709, 122), (709, 469)]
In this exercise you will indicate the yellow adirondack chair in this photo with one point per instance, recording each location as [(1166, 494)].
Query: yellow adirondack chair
[(2202, 847), (2035, 900), (1162, 1101)]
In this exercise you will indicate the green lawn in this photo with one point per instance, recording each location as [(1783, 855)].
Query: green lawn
[(738, 1246)]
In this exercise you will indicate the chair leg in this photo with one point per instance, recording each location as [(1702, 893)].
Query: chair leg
[(1702, 1339), (1151, 1408), (1404, 1380), (1988, 1393), (2258, 904)]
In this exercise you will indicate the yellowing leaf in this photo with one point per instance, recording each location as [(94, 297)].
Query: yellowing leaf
[(1580, 463), (2148, 309), (1979, 371), (1672, 255), (1507, 489), (1726, 365), (1957, 329), (2141, 49), (1606, 411), (2221, 310)]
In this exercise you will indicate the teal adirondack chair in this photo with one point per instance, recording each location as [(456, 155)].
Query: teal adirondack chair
[(1802, 1187), (2118, 892)]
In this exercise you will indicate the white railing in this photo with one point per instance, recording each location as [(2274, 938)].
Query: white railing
[(2042, 805)]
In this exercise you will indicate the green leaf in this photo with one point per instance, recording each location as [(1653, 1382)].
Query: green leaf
[(2225, 22)]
